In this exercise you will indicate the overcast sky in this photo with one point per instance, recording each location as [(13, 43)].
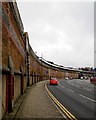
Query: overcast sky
[(62, 32)]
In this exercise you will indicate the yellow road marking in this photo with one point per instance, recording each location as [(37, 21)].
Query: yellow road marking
[(68, 114)]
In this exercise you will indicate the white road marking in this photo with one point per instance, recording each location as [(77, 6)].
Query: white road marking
[(79, 94), (79, 86), (70, 90), (61, 85), (67, 88), (87, 98), (87, 89)]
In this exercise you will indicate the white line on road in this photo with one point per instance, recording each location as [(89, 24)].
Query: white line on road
[(80, 87), (87, 89), (87, 97), (70, 90), (67, 88), (61, 85)]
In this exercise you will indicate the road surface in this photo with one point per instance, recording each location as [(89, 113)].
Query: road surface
[(77, 96)]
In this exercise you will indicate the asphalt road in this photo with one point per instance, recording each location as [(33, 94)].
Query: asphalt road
[(77, 96)]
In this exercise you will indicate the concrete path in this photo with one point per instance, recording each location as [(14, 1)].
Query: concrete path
[(37, 104)]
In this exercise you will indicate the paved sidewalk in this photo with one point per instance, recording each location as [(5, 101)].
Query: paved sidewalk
[(37, 104)]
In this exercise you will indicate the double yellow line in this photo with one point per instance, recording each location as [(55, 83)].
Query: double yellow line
[(66, 112)]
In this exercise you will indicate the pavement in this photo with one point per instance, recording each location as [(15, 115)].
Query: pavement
[(35, 103)]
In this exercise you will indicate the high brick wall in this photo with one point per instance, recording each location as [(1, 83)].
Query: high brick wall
[(5, 46), (12, 45)]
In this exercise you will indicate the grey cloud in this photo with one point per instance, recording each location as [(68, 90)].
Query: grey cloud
[(63, 30)]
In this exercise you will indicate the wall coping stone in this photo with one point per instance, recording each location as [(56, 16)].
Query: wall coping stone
[(16, 72), (4, 69)]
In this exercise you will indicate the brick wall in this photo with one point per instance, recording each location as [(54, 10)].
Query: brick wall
[(12, 41), (5, 46), (12, 45)]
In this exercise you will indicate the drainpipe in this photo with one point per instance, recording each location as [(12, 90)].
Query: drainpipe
[(28, 69), (22, 80)]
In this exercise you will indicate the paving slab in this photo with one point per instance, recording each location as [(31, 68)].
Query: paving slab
[(37, 104)]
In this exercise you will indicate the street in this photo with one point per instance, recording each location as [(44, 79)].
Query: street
[(77, 96)]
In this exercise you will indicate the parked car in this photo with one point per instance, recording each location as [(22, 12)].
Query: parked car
[(53, 81), (93, 79)]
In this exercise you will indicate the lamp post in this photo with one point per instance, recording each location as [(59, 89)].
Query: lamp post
[(42, 53)]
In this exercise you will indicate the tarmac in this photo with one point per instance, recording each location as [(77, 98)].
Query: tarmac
[(35, 103)]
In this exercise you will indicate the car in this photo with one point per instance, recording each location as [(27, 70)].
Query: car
[(93, 79), (81, 78), (53, 81), (66, 78)]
